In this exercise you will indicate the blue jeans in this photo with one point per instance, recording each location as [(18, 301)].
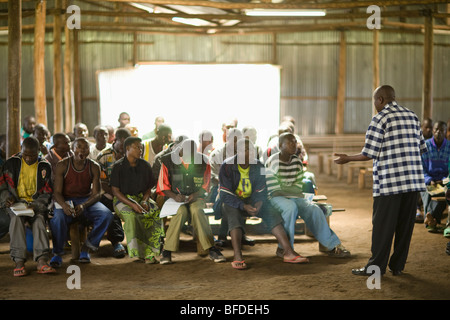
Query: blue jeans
[(98, 214), (313, 216)]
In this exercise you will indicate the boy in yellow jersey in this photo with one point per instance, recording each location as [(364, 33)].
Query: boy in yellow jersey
[(27, 179), (243, 193)]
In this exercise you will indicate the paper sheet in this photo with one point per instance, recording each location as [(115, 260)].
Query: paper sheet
[(21, 209), (170, 208)]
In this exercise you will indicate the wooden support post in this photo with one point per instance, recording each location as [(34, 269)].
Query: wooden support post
[(339, 126), (57, 72), (40, 100), (68, 88), (135, 49), (427, 95), (14, 77), (76, 78), (274, 49), (376, 64)]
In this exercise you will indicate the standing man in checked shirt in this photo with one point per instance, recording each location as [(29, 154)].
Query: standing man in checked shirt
[(394, 142)]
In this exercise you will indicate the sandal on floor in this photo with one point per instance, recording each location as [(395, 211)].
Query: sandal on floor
[(20, 272), (150, 260), (119, 251), (84, 257), (239, 265), (297, 259), (46, 269)]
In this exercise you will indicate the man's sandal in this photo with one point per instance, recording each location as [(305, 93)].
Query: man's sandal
[(297, 259), (20, 272), (239, 265), (46, 269)]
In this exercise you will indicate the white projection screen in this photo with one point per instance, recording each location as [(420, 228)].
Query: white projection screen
[(192, 98)]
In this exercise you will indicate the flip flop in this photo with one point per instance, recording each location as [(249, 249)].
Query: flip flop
[(20, 272), (239, 265), (297, 259), (46, 269)]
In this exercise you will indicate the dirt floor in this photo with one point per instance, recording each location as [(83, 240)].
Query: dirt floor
[(192, 277)]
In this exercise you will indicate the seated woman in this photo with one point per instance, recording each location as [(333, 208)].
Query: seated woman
[(243, 193), (131, 184)]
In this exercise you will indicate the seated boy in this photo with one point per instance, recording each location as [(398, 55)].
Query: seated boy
[(184, 177), (285, 181), (26, 178), (77, 192), (243, 193)]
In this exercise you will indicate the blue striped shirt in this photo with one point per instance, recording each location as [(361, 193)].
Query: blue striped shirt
[(395, 142), (436, 161)]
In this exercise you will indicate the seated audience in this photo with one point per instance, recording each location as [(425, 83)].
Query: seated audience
[(27, 129), (59, 151), (427, 128), (218, 156), (435, 167), (157, 144), (80, 130), (251, 134), (101, 137), (124, 119), (131, 184), (150, 135), (184, 177), (243, 194), (205, 139), (26, 179), (106, 159), (286, 184), (77, 192), (111, 133), (41, 134)]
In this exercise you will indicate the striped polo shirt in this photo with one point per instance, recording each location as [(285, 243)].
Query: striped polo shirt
[(281, 174), (395, 142)]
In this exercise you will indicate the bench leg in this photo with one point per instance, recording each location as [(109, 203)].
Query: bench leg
[(320, 162), (350, 173), (361, 179), (77, 237)]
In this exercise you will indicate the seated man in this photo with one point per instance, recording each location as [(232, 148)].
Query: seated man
[(41, 133), (106, 160), (285, 182), (184, 177), (131, 184), (77, 193), (217, 157), (26, 178), (243, 193), (101, 137), (156, 145), (435, 167)]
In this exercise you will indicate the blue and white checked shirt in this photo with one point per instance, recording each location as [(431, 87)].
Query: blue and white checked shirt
[(395, 142)]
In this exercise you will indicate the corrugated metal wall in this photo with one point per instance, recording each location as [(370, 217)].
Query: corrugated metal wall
[(309, 64)]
